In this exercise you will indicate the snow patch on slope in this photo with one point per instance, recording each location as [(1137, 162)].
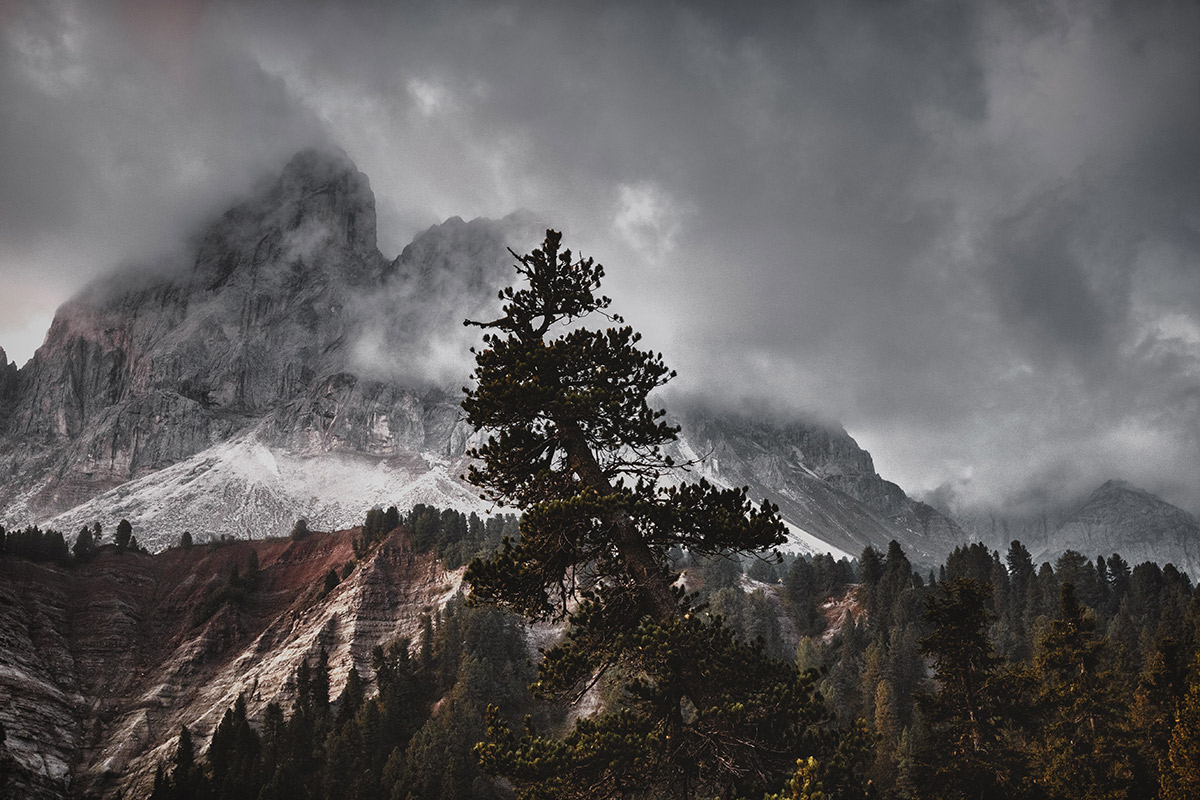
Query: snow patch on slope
[(247, 489), (802, 542)]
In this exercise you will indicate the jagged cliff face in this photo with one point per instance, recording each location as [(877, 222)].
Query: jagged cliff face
[(102, 664), (291, 370), (143, 370), (824, 483), (260, 335)]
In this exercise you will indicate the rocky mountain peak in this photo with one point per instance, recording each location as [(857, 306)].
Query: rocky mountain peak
[(318, 215), (823, 482), (1115, 487), (1120, 501), (313, 168), (457, 259), (1137, 524), (139, 372), (292, 372), (8, 387)]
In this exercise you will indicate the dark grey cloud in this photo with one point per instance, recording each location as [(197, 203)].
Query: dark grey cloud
[(968, 231), (1043, 288), (110, 152)]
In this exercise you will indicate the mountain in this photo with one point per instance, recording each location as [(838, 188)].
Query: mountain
[(103, 662), (1140, 526), (248, 360), (1114, 518), (285, 368), (825, 485)]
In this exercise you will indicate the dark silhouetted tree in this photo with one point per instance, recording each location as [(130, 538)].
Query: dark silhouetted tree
[(123, 535), (574, 444), (84, 545)]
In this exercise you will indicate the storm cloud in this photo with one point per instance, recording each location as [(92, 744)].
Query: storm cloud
[(969, 232)]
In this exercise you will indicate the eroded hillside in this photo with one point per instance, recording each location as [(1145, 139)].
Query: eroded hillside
[(103, 662)]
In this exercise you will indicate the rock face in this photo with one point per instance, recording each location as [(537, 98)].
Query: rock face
[(141, 371), (288, 369), (1120, 518), (823, 482), (102, 664), (8, 388), (260, 336)]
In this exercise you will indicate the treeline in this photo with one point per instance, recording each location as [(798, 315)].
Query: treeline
[(998, 678), (452, 536), (455, 537), (990, 677), (34, 544)]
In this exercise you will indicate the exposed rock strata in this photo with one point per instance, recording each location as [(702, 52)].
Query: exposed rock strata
[(101, 664)]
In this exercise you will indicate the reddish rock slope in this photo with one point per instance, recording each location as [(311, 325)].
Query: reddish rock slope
[(101, 663)]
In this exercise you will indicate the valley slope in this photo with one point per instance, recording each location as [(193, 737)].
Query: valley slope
[(103, 662)]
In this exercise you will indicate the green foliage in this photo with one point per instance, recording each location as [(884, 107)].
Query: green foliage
[(1082, 750), (457, 538), (968, 752), (362, 747), (1181, 776), (1079, 717), (805, 784), (574, 444)]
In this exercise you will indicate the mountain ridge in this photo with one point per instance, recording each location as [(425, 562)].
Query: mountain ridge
[(291, 334)]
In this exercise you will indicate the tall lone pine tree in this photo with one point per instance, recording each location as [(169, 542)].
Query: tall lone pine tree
[(573, 443)]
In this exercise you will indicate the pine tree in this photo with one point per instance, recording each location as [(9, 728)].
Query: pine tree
[(574, 444), (234, 755), (1085, 751), (187, 780), (1181, 776), (83, 547), (966, 754), (123, 535), (805, 784)]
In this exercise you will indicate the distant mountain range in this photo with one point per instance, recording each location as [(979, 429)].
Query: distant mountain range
[(1114, 518), (285, 368)]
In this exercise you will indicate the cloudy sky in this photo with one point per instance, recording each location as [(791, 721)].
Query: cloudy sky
[(968, 231)]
